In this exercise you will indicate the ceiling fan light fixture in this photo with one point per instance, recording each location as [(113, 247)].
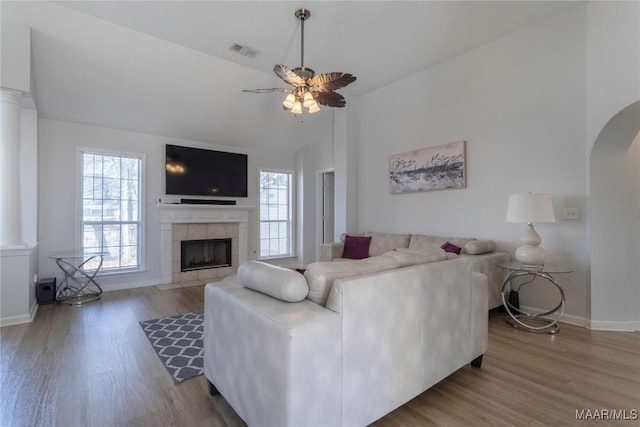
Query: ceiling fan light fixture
[(309, 89), (308, 100), (289, 101), (314, 108)]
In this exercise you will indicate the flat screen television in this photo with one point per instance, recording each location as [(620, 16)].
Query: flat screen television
[(197, 172)]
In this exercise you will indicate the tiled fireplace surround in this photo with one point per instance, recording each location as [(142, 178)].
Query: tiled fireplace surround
[(192, 222), (182, 232)]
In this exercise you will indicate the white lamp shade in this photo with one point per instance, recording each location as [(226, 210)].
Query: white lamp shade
[(530, 207), (297, 108), (289, 101), (308, 100), (314, 108)]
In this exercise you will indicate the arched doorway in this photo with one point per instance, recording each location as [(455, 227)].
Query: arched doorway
[(614, 210)]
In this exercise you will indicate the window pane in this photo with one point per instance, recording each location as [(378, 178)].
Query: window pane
[(283, 212), (92, 236), (112, 259), (111, 167), (129, 189), (92, 210), (129, 210), (273, 212), (87, 187), (129, 256)]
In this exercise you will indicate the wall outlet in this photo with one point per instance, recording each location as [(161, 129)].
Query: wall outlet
[(35, 278), (570, 213)]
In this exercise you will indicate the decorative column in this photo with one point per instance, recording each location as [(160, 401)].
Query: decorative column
[(10, 224)]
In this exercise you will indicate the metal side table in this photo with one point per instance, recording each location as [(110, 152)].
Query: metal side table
[(546, 322), (79, 285)]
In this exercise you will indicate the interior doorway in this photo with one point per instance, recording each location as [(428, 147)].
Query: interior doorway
[(614, 209)]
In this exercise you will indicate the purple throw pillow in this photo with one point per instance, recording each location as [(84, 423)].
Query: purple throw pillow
[(356, 247), (450, 247)]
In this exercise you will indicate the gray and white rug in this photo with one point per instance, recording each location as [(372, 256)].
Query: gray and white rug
[(178, 342)]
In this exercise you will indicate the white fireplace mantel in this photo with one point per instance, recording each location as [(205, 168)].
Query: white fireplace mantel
[(204, 214)]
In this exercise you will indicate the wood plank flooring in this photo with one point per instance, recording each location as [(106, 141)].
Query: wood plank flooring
[(93, 366)]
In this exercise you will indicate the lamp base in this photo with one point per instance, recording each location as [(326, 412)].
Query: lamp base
[(530, 256)]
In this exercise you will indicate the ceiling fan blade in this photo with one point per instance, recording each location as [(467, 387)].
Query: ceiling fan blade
[(330, 99), (330, 81), (275, 89), (288, 76)]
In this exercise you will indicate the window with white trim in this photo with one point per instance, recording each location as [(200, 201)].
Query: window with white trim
[(111, 210), (276, 237)]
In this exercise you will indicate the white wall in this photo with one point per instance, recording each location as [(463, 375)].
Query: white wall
[(16, 56), (311, 160), (519, 102), (58, 193), (613, 61)]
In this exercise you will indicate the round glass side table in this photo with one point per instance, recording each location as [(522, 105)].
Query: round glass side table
[(80, 269), (546, 322)]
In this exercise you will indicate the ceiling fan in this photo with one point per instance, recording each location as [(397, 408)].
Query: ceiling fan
[(309, 89)]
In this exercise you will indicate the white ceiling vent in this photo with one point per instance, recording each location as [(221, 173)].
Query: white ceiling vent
[(244, 50)]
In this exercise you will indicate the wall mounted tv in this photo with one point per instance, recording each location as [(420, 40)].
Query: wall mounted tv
[(197, 172)]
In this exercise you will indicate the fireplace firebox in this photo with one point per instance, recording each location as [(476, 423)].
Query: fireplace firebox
[(207, 253)]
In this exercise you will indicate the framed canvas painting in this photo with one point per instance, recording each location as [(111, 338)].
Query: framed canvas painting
[(433, 168)]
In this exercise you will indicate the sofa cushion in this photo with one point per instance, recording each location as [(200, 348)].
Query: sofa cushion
[(356, 247), (406, 257), (385, 242), (281, 283), (320, 275), (477, 247), (421, 242)]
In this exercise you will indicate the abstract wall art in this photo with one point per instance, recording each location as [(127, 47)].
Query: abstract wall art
[(432, 168)]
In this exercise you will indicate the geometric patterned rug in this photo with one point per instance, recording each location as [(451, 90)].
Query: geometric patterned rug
[(178, 342)]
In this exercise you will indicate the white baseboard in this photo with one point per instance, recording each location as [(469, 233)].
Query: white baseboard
[(27, 318), (129, 285), (566, 318), (621, 326), (23, 318), (596, 325)]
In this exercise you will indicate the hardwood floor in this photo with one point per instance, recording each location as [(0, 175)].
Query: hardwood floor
[(93, 366)]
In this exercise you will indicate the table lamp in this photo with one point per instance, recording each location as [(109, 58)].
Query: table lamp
[(529, 208)]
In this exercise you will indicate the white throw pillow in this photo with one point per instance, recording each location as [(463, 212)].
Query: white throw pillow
[(477, 247), (278, 282)]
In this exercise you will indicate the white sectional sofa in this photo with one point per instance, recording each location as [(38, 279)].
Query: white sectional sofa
[(482, 253), (381, 331)]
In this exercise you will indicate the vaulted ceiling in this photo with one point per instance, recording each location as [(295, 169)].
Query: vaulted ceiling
[(166, 68)]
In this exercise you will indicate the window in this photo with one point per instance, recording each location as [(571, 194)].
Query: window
[(275, 214), (111, 189)]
